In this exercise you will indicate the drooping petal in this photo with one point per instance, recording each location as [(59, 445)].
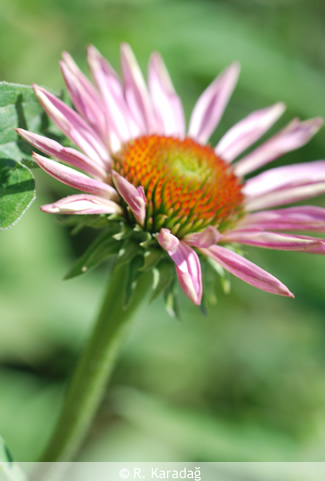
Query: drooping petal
[(73, 126), (135, 91), (246, 270), (302, 218), (209, 108), (276, 240), (117, 114), (188, 267), (247, 131), (284, 185), (206, 238), (294, 135), (84, 96), (83, 204), (75, 179), (134, 197), (65, 154), (167, 105)]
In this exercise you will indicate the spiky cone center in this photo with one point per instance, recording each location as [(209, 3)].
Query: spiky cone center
[(187, 186)]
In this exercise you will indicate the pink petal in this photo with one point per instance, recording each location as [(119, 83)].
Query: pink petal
[(246, 270), (109, 84), (84, 96), (83, 204), (285, 184), (65, 154), (294, 135), (134, 197), (247, 131), (286, 195), (166, 103), (188, 267), (211, 104), (75, 179), (73, 126), (276, 240), (303, 218), (135, 91), (205, 238)]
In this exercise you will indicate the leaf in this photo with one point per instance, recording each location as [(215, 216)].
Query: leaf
[(102, 248), (17, 191), (18, 108), (10, 469)]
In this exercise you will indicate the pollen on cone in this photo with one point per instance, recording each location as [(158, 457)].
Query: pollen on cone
[(183, 180)]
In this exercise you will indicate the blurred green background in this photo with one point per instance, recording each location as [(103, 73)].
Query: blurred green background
[(245, 383)]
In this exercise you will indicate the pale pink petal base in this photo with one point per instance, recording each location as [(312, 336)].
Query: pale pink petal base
[(83, 204), (188, 267), (205, 238), (134, 197)]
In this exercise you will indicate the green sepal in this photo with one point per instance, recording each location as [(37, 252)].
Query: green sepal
[(133, 276), (102, 248), (151, 258), (146, 240), (163, 274), (126, 253), (171, 303), (124, 231)]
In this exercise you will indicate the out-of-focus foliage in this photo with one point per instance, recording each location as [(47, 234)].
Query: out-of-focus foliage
[(244, 383)]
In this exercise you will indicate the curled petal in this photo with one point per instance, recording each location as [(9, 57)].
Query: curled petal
[(205, 238), (75, 179), (134, 197), (246, 270), (293, 136), (211, 104), (247, 131), (83, 204), (73, 126), (276, 240), (188, 267), (166, 103), (135, 91), (168, 241), (84, 96), (302, 218), (64, 154)]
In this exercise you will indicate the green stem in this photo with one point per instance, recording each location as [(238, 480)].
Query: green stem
[(93, 370)]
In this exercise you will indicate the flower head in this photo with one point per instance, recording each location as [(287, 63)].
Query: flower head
[(165, 191)]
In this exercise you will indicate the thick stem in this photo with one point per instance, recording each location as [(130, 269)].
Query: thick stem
[(93, 370)]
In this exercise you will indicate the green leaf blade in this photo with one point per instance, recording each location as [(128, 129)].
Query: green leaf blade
[(18, 108)]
